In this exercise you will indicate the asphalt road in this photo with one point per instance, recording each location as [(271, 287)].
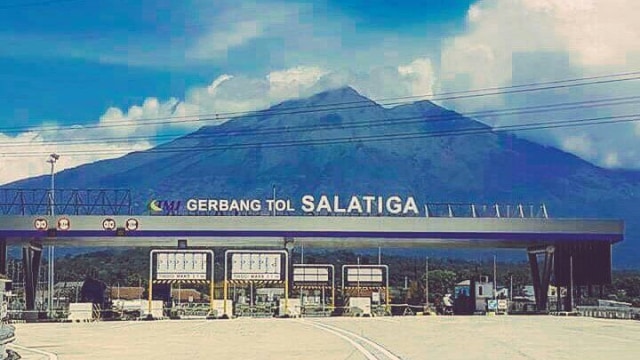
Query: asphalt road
[(384, 338)]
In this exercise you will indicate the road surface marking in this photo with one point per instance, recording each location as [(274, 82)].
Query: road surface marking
[(359, 347), (376, 346), (50, 355)]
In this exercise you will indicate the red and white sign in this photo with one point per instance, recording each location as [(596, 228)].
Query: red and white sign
[(64, 224), (132, 224), (109, 224), (40, 224)]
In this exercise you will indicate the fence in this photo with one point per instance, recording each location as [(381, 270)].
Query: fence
[(609, 312)]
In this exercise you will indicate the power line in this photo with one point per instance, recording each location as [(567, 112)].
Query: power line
[(373, 138), (455, 95), (448, 116)]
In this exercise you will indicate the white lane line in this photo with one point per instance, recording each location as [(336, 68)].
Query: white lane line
[(359, 347), (375, 345), (51, 356)]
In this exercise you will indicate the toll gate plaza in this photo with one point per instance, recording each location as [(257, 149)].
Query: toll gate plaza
[(577, 251)]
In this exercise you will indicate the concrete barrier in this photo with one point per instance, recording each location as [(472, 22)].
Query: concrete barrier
[(609, 312), (80, 312), (157, 310)]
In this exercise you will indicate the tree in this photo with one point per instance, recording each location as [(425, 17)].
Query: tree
[(441, 282), (415, 293)]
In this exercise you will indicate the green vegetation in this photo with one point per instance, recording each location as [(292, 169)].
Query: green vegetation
[(130, 267)]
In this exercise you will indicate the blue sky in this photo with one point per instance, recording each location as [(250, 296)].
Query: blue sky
[(91, 63), (105, 28)]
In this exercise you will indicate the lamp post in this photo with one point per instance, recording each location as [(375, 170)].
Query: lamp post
[(426, 282), (52, 160), (274, 201), (495, 286)]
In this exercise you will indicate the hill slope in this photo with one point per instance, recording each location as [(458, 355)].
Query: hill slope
[(427, 162)]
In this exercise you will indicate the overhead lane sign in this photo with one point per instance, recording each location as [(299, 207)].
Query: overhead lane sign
[(256, 266), (181, 265)]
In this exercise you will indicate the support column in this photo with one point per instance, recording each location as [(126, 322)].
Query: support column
[(546, 278), (289, 243), (31, 256), (3, 256), (568, 303), (535, 275), (569, 299), (541, 281), (559, 298)]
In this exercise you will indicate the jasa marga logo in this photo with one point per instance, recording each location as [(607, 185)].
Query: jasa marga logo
[(164, 207)]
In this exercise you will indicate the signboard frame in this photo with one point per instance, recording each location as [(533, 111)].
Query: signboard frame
[(321, 266), (210, 267), (226, 272), (175, 275), (241, 270), (385, 283)]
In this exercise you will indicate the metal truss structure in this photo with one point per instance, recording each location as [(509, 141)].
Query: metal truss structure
[(481, 211), (29, 202)]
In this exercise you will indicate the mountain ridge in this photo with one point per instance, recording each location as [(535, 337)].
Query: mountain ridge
[(235, 160)]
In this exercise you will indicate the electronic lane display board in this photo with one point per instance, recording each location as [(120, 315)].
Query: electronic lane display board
[(364, 276), (257, 265), (313, 275), (182, 264), (357, 276)]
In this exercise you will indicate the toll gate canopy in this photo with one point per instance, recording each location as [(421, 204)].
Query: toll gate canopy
[(582, 244)]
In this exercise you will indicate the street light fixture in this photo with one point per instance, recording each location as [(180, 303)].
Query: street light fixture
[(52, 160)]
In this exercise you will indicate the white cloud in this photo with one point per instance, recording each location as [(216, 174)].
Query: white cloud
[(505, 42), (238, 25), (211, 89), (24, 155), (241, 93), (509, 42), (611, 160), (260, 35), (119, 131), (419, 76), (293, 82), (593, 33), (217, 43), (580, 145), (114, 134)]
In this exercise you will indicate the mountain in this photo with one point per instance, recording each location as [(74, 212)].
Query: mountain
[(486, 167)]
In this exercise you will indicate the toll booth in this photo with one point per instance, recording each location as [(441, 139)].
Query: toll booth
[(366, 285), (257, 282), (472, 296), (179, 267), (315, 287), (256, 298), (7, 332)]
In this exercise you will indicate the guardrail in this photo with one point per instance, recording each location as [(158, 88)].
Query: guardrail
[(609, 312)]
